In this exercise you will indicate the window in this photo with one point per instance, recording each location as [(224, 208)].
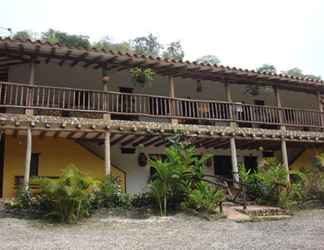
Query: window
[(34, 162)]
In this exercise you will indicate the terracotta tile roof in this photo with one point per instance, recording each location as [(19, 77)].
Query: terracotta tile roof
[(117, 59)]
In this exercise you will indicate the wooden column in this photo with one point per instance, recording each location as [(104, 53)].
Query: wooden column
[(28, 157), (284, 152), (278, 102), (31, 82), (320, 108), (105, 79), (235, 170), (172, 95), (107, 154), (228, 96)]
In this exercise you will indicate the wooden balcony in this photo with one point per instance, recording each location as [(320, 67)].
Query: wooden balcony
[(44, 100)]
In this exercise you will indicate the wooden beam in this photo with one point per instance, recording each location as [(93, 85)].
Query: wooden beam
[(106, 62), (97, 136), (151, 142), (143, 140), (66, 56), (48, 59), (93, 61), (80, 58), (161, 143), (130, 140), (107, 154), (207, 142), (221, 144), (122, 137), (28, 157), (72, 134)]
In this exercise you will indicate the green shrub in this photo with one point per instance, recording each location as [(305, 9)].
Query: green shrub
[(270, 186), (204, 198), (265, 185), (23, 200), (68, 198), (144, 200), (108, 193), (176, 176)]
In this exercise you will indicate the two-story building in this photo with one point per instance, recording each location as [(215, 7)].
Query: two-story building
[(62, 105)]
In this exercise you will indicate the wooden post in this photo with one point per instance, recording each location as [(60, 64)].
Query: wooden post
[(107, 154), (235, 170), (236, 176), (31, 82), (172, 95), (228, 95), (320, 107), (32, 72), (278, 102), (105, 79), (28, 157), (284, 154)]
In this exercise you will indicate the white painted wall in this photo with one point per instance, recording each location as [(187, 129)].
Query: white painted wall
[(78, 77), (137, 176)]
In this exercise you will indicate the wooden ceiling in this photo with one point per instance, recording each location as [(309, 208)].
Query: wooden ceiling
[(16, 52)]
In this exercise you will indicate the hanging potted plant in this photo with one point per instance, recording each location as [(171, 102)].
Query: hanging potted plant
[(142, 76)]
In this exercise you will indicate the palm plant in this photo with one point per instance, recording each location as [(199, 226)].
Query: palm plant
[(68, 198)]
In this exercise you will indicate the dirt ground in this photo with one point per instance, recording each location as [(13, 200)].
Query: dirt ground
[(305, 230)]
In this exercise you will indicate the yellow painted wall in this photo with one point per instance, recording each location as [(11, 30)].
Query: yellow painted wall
[(55, 155), (306, 159)]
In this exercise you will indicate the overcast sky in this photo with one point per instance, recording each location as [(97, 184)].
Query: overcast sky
[(286, 33)]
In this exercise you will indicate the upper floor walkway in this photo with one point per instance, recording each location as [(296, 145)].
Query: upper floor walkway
[(73, 102)]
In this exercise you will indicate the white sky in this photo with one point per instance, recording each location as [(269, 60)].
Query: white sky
[(286, 33)]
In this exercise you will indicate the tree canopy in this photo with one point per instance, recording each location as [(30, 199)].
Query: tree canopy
[(268, 68), (147, 45), (208, 59), (299, 73), (56, 36), (174, 51), (107, 44), (23, 35)]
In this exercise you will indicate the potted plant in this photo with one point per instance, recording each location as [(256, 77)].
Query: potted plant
[(142, 76)]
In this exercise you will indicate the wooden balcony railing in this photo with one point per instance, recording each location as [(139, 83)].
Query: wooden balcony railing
[(23, 96)]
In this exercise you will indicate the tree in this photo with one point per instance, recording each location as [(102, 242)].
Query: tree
[(107, 44), (208, 59), (313, 77), (174, 51), (299, 73), (295, 72), (23, 35), (267, 68), (55, 36), (147, 45)]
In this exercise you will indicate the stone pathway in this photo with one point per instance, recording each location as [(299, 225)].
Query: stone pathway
[(237, 213)]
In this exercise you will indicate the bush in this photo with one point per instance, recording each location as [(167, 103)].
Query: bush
[(176, 176), (266, 185), (23, 200), (68, 198), (144, 200), (108, 193), (204, 198)]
